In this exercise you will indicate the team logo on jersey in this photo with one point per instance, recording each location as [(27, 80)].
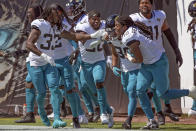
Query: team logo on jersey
[(83, 22), (158, 19), (126, 33), (65, 26)]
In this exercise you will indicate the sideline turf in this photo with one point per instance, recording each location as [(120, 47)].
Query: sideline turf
[(167, 127)]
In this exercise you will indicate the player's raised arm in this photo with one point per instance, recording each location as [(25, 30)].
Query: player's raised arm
[(81, 36)]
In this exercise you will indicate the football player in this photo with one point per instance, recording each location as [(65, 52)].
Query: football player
[(41, 63), (33, 12), (156, 20), (127, 71), (93, 64), (192, 29), (154, 67), (76, 10), (62, 51)]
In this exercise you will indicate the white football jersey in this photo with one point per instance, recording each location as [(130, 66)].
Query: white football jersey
[(45, 43), (87, 54), (155, 23), (81, 20), (63, 47), (133, 34), (125, 64)]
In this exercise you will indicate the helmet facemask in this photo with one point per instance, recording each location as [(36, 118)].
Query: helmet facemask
[(75, 8), (111, 33)]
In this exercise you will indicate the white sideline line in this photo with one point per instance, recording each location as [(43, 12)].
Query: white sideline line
[(33, 128)]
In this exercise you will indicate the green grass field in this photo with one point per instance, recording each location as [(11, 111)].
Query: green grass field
[(167, 127)]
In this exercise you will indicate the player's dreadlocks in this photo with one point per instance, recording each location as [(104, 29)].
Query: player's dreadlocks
[(48, 11), (59, 8), (37, 9)]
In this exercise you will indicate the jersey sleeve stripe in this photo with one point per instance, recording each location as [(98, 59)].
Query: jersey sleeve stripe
[(131, 42), (35, 27)]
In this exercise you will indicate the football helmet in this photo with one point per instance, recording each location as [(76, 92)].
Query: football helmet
[(110, 21), (109, 26), (75, 7), (192, 9)]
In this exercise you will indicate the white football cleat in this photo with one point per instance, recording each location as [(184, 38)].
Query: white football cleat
[(104, 119), (151, 125), (192, 93), (192, 113), (51, 116), (83, 119)]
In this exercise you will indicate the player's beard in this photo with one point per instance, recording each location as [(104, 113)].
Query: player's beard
[(145, 11)]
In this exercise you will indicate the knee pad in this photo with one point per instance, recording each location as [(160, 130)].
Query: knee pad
[(99, 85), (29, 85)]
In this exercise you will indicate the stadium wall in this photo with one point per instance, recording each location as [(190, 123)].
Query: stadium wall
[(13, 70)]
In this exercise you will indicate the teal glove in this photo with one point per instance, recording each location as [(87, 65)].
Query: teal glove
[(116, 71)]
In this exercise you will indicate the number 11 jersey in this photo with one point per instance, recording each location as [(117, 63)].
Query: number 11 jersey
[(155, 23)]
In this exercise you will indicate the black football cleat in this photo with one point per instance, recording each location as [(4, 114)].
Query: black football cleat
[(28, 118), (76, 123), (161, 118)]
